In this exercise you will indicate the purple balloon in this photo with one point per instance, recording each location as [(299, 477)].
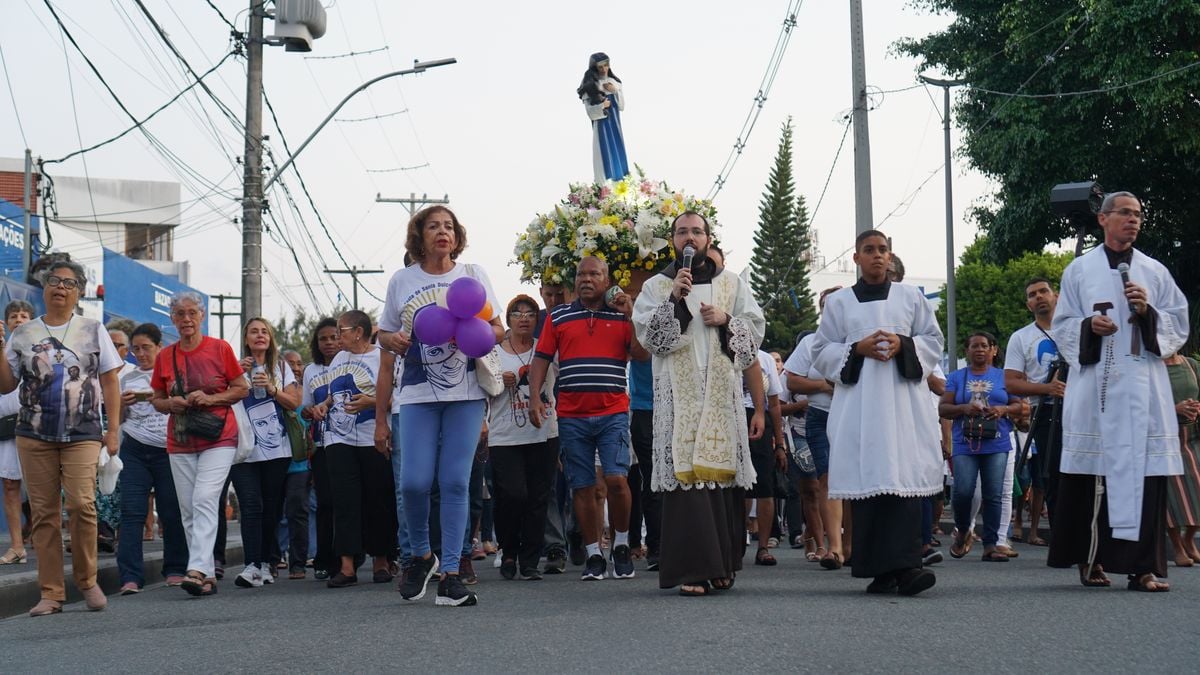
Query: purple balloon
[(434, 325), (465, 297), (475, 337)]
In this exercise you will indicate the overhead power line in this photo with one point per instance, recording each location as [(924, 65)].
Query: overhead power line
[(13, 97), (1088, 92), (370, 117), (347, 54)]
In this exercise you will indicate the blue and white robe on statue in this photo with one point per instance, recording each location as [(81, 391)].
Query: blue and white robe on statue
[(608, 141)]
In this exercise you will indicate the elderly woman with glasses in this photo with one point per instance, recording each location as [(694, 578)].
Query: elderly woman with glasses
[(58, 443), (196, 380)]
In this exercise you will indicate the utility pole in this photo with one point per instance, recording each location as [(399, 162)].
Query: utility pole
[(252, 195), (951, 311), (27, 251), (354, 272), (863, 218), (412, 202), (221, 313)]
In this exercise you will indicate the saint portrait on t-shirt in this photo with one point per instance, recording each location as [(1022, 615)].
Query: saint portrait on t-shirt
[(268, 432)]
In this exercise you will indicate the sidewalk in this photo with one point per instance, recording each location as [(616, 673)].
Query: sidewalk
[(19, 588)]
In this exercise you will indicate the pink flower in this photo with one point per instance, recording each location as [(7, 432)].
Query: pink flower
[(605, 191)]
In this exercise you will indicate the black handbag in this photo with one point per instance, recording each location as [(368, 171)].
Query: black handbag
[(194, 422), (8, 427)]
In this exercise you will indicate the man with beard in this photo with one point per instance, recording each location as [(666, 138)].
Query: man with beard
[(879, 342), (1027, 361), (593, 342), (1120, 434), (703, 327)]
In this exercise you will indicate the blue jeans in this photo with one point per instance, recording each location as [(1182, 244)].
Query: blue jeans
[(815, 421), (405, 544), (148, 467), (582, 438), (439, 437), (990, 469)]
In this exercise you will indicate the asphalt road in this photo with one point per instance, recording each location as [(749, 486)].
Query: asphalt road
[(1000, 617)]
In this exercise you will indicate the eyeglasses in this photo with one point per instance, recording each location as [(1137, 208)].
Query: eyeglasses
[(187, 314), (522, 315), (65, 282), (1126, 213), (342, 328)]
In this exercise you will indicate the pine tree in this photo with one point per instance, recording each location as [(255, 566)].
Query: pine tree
[(782, 252)]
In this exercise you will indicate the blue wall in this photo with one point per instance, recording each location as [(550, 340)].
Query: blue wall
[(12, 242), (134, 291)]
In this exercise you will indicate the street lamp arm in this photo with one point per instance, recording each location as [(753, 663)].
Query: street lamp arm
[(418, 67), (941, 83)]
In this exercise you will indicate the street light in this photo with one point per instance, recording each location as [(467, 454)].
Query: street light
[(418, 67), (951, 312)]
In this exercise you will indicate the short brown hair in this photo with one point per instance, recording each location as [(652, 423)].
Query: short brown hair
[(415, 243), (518, 301)]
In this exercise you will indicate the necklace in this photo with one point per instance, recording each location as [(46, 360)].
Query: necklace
[(58, 351), (591, 322)]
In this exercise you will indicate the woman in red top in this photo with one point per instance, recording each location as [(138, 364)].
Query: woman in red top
[(195, 378)]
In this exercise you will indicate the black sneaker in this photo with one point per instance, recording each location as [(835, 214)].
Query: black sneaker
[(594, 570), (320, 575), (931, 557), (578, 550), (622, 562), (652, 563), (466, 570), (340, 580), (531, 574), (884, 583), (915, 580), (418, 577), (508, 569), (556, 561), (452, 593)]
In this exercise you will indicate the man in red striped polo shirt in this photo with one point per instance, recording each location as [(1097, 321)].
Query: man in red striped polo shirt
[(593, 341)]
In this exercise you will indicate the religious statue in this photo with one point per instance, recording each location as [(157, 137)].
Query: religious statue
[(601, 94)]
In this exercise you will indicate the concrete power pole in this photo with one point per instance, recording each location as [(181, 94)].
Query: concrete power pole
[(252, 194), (863, 218)]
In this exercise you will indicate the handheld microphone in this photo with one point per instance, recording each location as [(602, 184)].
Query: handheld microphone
[(689, 253), (1123, 268)]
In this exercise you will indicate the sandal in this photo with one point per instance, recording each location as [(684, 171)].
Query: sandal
[(993, 555), (14, 557), (764, 557), (962, 546), (193, 582), (1037, 541), (817, 555), (1097, 579), (45, 607), (1008, 551), (695, 590), (209, 587), (1147, 583), (833, 561), (722, 584)]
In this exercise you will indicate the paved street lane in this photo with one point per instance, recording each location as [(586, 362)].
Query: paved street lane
[(1016, 616)]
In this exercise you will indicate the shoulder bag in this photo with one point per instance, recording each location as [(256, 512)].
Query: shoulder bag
[(197, 422), (302, 445)]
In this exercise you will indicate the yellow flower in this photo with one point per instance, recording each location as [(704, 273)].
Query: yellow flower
[(649, 264), (609, 220), (621, 188), (549, 225)]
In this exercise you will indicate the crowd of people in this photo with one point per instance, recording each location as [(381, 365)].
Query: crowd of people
[(610, 427)]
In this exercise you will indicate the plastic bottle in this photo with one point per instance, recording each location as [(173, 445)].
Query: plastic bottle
[(259, 392)]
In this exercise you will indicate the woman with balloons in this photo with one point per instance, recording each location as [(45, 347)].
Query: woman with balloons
[(438, 318)]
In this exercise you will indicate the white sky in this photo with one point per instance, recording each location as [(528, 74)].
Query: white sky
[(502, 131)]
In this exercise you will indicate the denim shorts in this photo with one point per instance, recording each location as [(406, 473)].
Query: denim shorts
[(815, 421), (583, 439), (820, 456)]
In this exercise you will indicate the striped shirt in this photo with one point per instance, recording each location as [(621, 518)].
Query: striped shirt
[(592, 349)]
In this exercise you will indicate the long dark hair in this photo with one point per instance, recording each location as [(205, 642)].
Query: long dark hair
[(314, 345), (590, 85)]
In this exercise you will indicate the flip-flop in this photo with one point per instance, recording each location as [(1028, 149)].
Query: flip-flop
[(1142, 583), (193, 583), (1037, 541), (1098, 578), (833, 561), (690, 593)]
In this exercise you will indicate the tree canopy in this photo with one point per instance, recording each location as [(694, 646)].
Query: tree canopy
[(1135, 130)]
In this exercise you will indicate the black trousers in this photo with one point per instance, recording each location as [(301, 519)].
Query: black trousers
[(522, 475), (259, 488), (364, 501), (296, 508), (646, 503), (887, 535), (325, 558)]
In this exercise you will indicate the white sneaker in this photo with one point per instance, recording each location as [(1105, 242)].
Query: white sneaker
[(264, 570), (251, 577), (499, 559)]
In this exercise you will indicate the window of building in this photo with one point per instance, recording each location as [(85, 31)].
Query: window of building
[(148, 242)]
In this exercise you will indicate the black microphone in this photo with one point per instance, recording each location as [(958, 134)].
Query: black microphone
[(689, 252), (1123, 268)]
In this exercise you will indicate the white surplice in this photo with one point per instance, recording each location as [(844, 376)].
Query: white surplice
[(700, 435), (884, 437), (1119, 414)]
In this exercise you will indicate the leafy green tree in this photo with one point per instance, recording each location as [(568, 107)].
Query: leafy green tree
[(296, 332), (782, 250), (1136, 132), (991, 297)]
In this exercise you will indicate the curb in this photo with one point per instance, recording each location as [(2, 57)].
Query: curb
[(20, 591)]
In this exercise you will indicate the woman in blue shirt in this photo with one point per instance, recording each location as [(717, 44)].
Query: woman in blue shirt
[(981, 408)]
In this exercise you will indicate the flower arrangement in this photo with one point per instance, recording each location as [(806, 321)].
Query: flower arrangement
[(626, 223)]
